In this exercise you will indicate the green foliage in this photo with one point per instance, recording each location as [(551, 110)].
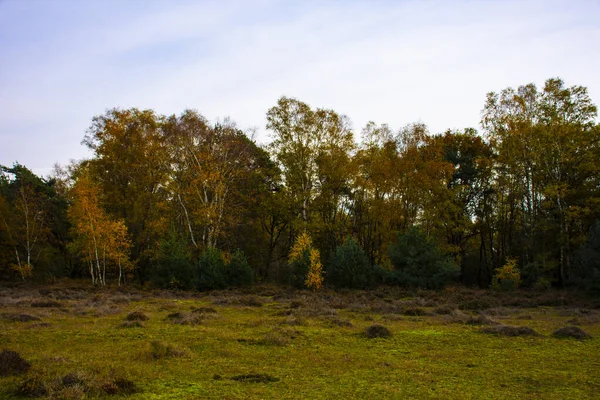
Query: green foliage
[(586, 272), (174, 269), (238, 271), (349, 267), (299, 268), (418, 262), (210, 273)]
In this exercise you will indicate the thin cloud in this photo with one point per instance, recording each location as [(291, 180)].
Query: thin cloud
[(388, 61)]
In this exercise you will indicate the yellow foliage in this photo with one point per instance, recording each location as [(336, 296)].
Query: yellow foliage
[(26, 270), (508, 276), (314, 278), (303, 243)]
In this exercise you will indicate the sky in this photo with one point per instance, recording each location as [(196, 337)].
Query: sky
[(394, 62)]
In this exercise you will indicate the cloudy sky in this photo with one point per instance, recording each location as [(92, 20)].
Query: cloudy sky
[(395, 62)]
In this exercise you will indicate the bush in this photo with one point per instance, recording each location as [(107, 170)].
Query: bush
[(305, 264), (586, 271), (238, 271), (11, 363), (175, 269), (349, 267), (507, 277), (211, 270), (418, 262)]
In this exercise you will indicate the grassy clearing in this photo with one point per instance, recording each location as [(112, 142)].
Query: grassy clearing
[(269, 342)]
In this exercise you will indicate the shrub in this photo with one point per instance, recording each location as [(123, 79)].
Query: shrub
[(377, 331), (586, 271), (174, 269), (11, 363), (418, 262), (238, 271), (211, 270), (349, 267), (507, 277), (305, 264)]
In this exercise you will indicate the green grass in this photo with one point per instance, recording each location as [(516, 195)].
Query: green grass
[(307, 354)]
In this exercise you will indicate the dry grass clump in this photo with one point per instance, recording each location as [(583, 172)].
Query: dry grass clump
[(480, 320), (341, 322), (279, 337), (255, 378), (45, 304), (136, 316), (203, 310), (20, 317), (186, 318), (11, 363), (500, 312), (131, 324), (415, 312), (106, 309), (574, 332), (377, 331), (512, 331), (251, 301), (76, 385), (445, 309), (156, 350), (584, 320), (457, 317)]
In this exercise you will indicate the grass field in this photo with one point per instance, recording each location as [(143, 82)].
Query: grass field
[(270, 342)]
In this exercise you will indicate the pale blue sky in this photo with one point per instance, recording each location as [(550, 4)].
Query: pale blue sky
[(395, 62)]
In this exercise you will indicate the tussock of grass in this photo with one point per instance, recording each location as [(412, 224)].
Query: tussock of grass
[(507, 330), (415, 312), (76, 385), (11, 363), (377, 331), (480, 320), (157, 349), (571, 332), (45, 304), (255, 378), (20, 317), (131, 324), (186, 318), (136, 316), (203, 310)]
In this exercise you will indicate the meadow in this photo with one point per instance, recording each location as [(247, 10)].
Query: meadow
[(71, 340)]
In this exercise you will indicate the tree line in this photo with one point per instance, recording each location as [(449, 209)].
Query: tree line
[(179, 202)]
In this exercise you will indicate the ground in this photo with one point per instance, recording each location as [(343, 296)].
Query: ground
[(275, 342)]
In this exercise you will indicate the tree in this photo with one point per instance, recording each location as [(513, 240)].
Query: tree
[(97, 238), (418, 262), (349, 267), (128, 167), (546, 144), (24, 217)]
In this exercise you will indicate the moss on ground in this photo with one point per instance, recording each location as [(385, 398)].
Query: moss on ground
[(427, 356)]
